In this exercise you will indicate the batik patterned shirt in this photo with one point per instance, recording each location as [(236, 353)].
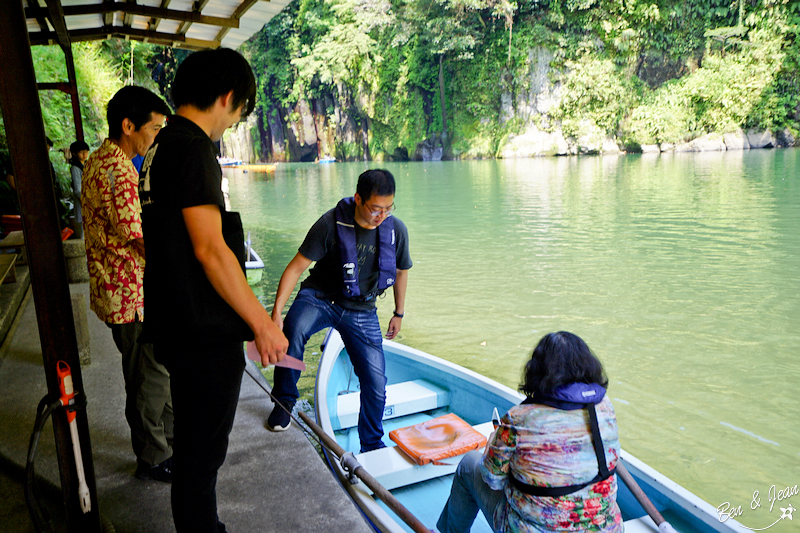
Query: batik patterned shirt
[(112, 220), (551, 447)]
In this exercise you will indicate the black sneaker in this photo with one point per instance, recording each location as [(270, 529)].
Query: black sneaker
[(160, 472), (279, 419)]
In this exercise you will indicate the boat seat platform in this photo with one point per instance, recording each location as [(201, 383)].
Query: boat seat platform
[(402, 399), (7, 271), (393, 468), (641, 525)]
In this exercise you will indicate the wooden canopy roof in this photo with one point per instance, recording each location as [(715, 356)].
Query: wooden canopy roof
[(179, 23)]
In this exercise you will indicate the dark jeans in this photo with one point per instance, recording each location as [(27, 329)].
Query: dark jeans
[(468, 495), (361, 333), (148, 405), (206, 378)]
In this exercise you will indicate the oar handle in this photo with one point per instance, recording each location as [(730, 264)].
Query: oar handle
[(643, 500), (373, 484), (331, 444)]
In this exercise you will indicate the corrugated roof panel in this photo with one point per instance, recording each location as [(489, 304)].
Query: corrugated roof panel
[(140, 23), (84, 22), (202, 32), (220, 8), (168, 26), (33, 26), (181, 5), (70, 3)]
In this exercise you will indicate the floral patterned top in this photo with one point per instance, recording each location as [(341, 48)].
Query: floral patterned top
[(551, 447), (112, 219)]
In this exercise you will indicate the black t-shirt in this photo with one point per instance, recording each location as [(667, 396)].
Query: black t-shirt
[(321, 245), (181, 170)]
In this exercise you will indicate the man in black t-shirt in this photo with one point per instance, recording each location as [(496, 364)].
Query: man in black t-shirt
[(201, 308), (360, 250)]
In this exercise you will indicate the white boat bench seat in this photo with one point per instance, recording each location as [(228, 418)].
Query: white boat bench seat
[(402, 399), (393, 468), (641, 525)]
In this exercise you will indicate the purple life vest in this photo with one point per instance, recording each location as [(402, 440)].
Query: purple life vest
[(569, 398), (348, 251)]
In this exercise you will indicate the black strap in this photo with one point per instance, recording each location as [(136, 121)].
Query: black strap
[(597, 440), (555, 492)]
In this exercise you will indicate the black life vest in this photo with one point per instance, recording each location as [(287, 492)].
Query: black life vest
[(348, 252), (597, 441)]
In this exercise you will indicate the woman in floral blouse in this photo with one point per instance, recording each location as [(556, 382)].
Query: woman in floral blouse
[(540, 470)]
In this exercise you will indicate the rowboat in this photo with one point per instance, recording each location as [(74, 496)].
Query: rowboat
[(253, 265), (229, 161), (421, 387)]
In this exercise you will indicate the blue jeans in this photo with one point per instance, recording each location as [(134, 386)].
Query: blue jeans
[(469, 494), (361, 334)]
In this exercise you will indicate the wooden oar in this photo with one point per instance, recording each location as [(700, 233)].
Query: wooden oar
[(643, 500), (373, 484), (356, 468)]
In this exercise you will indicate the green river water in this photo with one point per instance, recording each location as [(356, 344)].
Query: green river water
[(681, 272)]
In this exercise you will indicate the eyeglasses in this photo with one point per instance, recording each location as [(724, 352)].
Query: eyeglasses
[(375, 210)]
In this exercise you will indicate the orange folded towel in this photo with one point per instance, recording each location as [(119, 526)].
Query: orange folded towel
[(438, 438)]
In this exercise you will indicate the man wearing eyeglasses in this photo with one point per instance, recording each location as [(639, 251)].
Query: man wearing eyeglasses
[(360, 250)]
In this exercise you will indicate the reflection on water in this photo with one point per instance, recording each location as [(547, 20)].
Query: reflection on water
[(681, 271)]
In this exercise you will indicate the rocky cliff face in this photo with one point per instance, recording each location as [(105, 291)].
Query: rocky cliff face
[(312, 129), (338, 123)]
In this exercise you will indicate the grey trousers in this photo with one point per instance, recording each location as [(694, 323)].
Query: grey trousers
[(148, 403)]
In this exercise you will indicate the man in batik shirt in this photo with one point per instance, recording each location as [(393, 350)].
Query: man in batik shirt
[(112, 226)]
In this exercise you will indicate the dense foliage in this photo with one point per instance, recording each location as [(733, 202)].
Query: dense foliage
[(383, 78), (643, 71), (101, 68)]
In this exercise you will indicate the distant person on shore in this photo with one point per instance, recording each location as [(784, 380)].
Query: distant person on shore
[(112, 229), (79, 153), (202, 308), (360, 250), (540, 470), (63, 200)]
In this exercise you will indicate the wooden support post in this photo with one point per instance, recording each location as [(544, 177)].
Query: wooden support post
[(22, 117)]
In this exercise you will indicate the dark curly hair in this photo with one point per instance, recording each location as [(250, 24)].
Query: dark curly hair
[(561, 358)]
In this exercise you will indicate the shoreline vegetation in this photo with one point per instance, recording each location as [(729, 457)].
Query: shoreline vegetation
[(392, 80)]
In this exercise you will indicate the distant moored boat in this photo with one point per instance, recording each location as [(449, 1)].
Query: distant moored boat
[(229, 161), (253, 265)]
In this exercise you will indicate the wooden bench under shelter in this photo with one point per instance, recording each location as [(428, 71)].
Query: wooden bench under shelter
[(14, 242), (7, 271)]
